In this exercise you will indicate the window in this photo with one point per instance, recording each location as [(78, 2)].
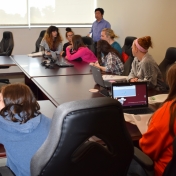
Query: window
[(33, 13)]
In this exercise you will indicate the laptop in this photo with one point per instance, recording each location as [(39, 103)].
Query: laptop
[(105, 83), (60, 62), (132, 96)]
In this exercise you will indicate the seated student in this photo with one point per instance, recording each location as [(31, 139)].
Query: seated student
[(108, 35), (157, 141), (79, 50), (52, 40), (23, 128), (110, 61), (69, 34), (144, 68)]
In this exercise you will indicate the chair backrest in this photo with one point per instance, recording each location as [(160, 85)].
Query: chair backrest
[(128, 50), (66, 150), (7, 44), (169, 59), (89, 43), (170, 169), (127, 45), (127, 66), (37, 43)]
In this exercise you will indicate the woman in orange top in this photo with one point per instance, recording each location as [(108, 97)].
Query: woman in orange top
[(158, 140)]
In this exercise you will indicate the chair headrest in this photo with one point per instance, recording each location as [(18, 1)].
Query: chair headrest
[(7, 35), (42, 33), (87, 40), (129, 40), (170, 55)]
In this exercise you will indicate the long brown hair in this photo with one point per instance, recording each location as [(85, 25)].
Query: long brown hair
[(19, 99), (77, 42), (172, 96), (53, 44), (104, 47)]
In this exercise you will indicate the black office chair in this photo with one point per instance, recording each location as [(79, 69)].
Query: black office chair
[(170, 169), (67, 151), (6, 48), (89, 43), (37, 43), (128, 50), (7, 44), (127, 45), (5, 81), (169, 59)]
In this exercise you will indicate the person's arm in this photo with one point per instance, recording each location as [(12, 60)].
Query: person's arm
[(96, 64), (108, 25), (132, 73), (79, 53), (59, 48), (89, 35), (150, 74), (152, 141)]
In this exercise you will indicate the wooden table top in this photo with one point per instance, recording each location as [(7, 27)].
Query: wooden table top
[(61, 89)]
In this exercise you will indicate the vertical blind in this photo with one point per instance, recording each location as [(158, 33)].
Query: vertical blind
[(45, 12)]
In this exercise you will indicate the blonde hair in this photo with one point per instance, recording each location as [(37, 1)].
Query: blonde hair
[(109, 32)]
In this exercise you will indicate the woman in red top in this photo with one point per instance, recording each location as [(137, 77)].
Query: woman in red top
[(157, 142)]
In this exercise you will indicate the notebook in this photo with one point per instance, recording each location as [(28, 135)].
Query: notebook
[(133, 97), (98, 78)]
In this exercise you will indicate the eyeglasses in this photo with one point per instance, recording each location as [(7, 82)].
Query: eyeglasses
[(70, 35)]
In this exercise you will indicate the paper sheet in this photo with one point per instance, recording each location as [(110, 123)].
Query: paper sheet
[(114, 77), (157, 98), (36, 54), (141, 122)]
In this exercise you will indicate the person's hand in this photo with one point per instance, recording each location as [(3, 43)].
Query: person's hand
[(70, 46), (47, 53), (88, 35), (66, 57), (61, 53), (133, 79), (96, 64), (91, 63)]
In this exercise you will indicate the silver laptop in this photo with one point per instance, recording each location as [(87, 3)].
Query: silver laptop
[(133, 97), (96, 72)]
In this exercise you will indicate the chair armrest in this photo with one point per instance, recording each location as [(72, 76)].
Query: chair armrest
[(5, 171), (144, 160)]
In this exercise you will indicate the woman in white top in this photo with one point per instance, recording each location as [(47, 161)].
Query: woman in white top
[(52, 41), (144, 67)]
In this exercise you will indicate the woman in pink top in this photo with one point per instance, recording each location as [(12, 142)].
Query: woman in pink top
[(80, 50)]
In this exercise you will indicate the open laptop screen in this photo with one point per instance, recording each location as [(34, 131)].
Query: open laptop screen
[(131, 94)]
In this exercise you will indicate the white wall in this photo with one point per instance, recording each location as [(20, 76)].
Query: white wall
[(128, 18), (139, 18)]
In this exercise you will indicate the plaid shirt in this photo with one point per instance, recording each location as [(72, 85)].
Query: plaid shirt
[(113, 63)]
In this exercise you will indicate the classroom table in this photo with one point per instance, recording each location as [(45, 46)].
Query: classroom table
[(6, 61), (31, 66), (61, 89)]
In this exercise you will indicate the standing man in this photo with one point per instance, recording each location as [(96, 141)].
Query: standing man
[(98, 25)]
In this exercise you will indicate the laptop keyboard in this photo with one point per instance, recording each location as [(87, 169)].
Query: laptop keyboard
[(138, 111)]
